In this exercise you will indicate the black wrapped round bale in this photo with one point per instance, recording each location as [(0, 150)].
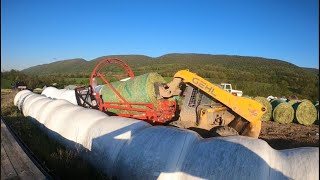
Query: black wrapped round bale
[(282, 112), (304, 112), (316, 104)]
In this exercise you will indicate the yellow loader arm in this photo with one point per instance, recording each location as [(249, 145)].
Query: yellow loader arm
[(248, 109)]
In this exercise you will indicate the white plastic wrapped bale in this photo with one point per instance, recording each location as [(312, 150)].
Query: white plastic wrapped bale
[(38, 102), (247, 158), (36, 114), (48, 109), (51, 92), (107, 137), (69, 95), (78, 128), (20, 97), (17, 97), (125, 148), (163, 153), (153, 151), (24, 98), (28, 103), (65, 94)]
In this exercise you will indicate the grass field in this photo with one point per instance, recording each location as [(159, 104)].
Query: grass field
[(84, 81), (5, 84), (5, 91), (79, 80)]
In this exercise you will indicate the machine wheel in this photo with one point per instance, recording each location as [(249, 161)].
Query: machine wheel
[(224, 131)]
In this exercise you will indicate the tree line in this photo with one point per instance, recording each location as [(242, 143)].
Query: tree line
[(254, 79)]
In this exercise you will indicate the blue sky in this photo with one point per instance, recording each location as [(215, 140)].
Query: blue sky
[(36, 32)]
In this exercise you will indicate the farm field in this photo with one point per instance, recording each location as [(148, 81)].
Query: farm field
[(79, 80), (164, 90)]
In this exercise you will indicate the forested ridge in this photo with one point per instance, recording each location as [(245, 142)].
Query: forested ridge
[(255, 76)]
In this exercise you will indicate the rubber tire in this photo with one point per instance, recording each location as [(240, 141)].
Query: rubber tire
[(224, 131)]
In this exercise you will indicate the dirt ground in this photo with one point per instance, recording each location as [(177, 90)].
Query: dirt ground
[(287, 136), (279, 136)]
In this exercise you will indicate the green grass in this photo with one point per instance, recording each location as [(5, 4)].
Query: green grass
[(5, 84), (64, 163), (82, 81), (168, 79)]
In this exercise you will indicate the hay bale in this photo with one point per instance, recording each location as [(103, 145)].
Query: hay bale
[(267, 115), (282, 112), (305, 112), (139, 89)]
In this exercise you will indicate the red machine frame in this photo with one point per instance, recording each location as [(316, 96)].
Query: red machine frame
[(164, 111)]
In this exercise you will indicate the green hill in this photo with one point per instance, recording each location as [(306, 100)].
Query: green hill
[(253, 75), (65, 66), (82, 66), (313, 70)]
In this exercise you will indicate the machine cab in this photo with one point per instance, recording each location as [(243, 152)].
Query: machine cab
[(226, 87)]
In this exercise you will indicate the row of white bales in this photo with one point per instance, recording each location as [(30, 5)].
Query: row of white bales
[(125, 148)]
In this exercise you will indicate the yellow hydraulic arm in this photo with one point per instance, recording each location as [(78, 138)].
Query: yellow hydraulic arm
[(248, 109)]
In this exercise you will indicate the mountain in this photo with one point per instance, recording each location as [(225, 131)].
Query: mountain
[(313, 70), (138, 61), (80, 65), (253, 75), (69, 65)]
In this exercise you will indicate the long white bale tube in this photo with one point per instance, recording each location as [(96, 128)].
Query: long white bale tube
[(101, 136), (65, 94), (125, 148)]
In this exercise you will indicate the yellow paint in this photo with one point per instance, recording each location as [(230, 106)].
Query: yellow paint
[(216, 109), (248, 109)]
